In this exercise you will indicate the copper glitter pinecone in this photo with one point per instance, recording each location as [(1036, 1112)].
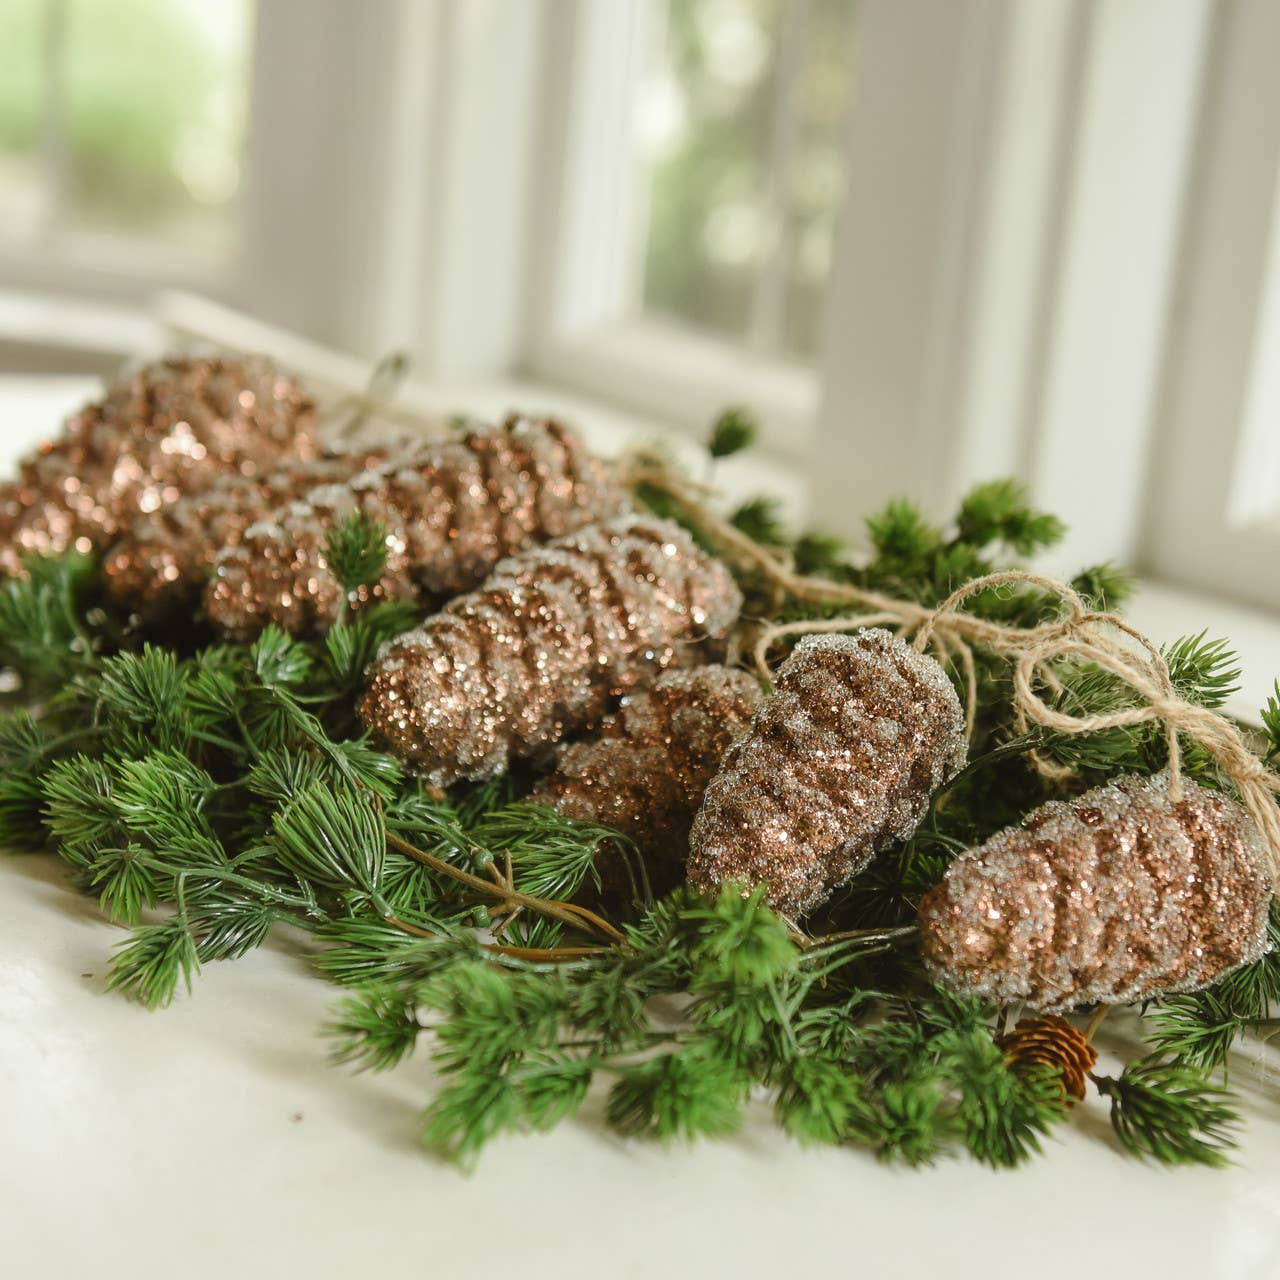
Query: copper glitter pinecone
[(1052, 1041), (1116, 896), (170, 429), (544, 646), (645, 771), (452, 511), (841, 760), (160, 565)]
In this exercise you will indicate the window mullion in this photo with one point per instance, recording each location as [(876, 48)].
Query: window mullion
[(768, 300), (54, 151)]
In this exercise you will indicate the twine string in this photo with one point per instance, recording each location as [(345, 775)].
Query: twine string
[(1075, 633)]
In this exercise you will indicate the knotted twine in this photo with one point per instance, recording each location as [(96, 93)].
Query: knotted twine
[(1077, 632)]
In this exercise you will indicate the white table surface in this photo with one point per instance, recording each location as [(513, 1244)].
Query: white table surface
[(212, 1139)]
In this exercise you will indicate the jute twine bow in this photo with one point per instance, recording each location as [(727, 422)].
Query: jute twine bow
[(345, 417), (1089, 636)]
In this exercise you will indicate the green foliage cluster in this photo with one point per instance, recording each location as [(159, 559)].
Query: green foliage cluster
[(1167, 1111), (205, 792), (519, 1046), (234, 787)]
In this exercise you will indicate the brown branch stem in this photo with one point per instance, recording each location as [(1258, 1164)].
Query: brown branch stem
[(566, 912), (535, 955), (1096, 1021), (850, 935)]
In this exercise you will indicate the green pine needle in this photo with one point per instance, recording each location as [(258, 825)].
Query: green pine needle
[(375, 1030), (758, 518), (900, 533), (332, 835), (688, 1093), (45, 635), (1168, 1111), (1271, 723), (278, 660), (355, 550), (732, 432), (1104, 587), (150, 964), (1196, 1029), (1203, 671), (820, 1100), (998, 511), (818, 553)]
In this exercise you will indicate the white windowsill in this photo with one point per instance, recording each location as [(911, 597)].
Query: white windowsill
[(47, 331), (686, 378)]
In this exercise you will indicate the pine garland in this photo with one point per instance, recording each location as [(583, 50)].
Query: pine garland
[(205, 792)]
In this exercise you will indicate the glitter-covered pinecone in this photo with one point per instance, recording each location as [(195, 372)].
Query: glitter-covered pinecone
[(1118, 895), (645, 771), (160, 565), (452, 510), (544, 647), (170, 429), (841, 759)]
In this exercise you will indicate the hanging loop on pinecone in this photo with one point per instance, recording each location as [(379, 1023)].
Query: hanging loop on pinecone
[(1107, 641)]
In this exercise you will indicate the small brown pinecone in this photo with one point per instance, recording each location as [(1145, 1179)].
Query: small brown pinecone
[(1118, 895), (1052, 1041), (544, 646), (452, 510), (159, 566), (645, 771), (841, 760), (170, 429)]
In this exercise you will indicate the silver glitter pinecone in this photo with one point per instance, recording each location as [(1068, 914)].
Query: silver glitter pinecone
[(841, 760), (1115, 896), (544, 647), (645, 771), (170, 429), (452, 511)]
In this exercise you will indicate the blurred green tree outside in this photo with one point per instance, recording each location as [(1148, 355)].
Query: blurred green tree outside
[(150, 111), (711, 225)]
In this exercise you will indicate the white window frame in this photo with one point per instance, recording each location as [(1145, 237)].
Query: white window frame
[(1220, 458), (1052, 145), (107, 267), (325, 238), (578, 332)]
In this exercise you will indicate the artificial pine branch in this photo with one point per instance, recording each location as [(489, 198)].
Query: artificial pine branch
[(205, 793), (1168, 1111)]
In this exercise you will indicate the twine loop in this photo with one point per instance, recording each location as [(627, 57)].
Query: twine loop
[(1075, 633)]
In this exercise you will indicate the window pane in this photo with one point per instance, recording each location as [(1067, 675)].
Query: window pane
[(741, 123), (21, 94), (137, 118)]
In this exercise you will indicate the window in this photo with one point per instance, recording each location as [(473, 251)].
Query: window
[(698, 178), (1216, 494), (122, 121), (740, 133)]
